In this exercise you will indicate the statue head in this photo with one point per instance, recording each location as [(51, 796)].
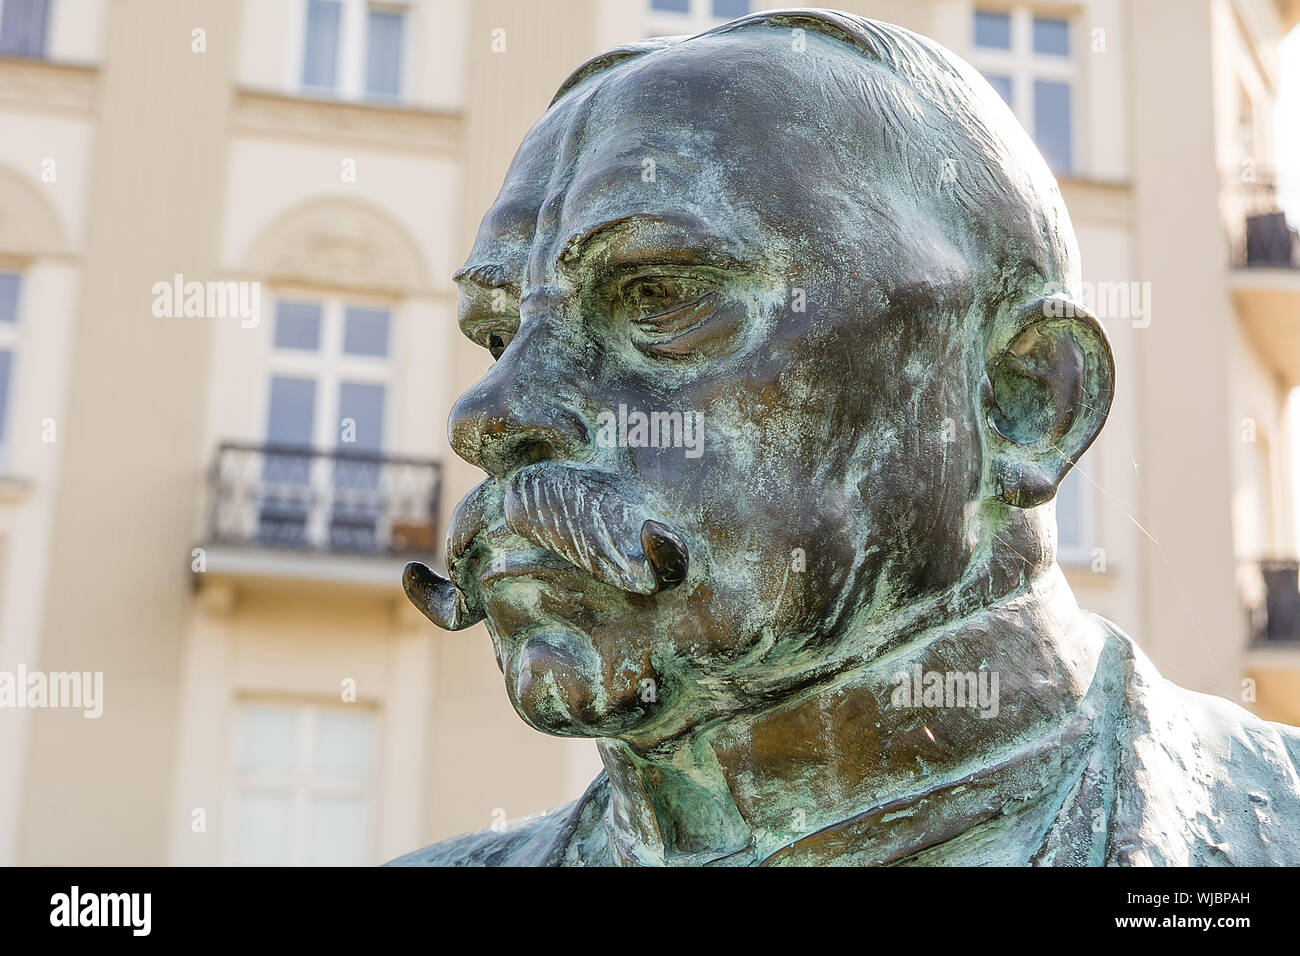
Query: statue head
[(788, 365)]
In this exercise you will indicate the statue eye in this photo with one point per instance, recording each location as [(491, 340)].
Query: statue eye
[(665, 305)]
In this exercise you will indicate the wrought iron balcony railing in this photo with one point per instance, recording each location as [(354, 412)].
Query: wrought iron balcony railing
[(1275, 606), (281, 496), (1258, 229)]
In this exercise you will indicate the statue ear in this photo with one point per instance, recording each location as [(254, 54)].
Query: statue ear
[(1051, 378)]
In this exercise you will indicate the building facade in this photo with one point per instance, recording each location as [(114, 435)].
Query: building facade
[(228, 349)]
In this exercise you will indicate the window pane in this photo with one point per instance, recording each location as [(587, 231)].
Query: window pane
[(384, 53), (268, 739), (1052, 123), (262, 829), (22, 27), (358, 503), (9, 284), (730, 9), (292, 411), (1051, 36), (321, 44), (287, 497), (671, 6), (365, 332), (6, 362), (1002, 84), (364, 404), (343, 745), (1069, 512), (297, 326), (993, 30), (338, 831)]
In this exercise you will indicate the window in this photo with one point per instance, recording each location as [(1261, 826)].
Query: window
[(1074, 518), (9, 288), (321, 48), (6, 372), (22, 27), (730, 9), (675, 17), (327, 391), (302, 786), (354, 49), (993, 30), (384, 52), (1028, 58)]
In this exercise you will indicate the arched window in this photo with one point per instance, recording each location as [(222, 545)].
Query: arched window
[(319, 474)]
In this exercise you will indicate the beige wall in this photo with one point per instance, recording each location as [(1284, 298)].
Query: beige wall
[(301, 643), (1276, 677), (125, 500), (1190, 622), (47, 114)]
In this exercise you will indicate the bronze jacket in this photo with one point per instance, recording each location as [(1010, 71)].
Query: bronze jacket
[(1151, 775)]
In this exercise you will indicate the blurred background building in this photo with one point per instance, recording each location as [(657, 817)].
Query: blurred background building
[(214, 511)]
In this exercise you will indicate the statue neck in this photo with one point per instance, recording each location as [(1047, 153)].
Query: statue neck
[(989, 693)]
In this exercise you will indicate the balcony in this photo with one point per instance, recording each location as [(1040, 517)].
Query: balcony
[(282, 511), (1261, 235), (1274, 603), (1265, 278)]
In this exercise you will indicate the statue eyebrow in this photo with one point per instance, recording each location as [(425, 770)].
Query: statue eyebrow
[(489, 275), (705, 239), (705, 242)]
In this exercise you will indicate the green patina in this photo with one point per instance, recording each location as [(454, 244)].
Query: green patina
[(828, 241)]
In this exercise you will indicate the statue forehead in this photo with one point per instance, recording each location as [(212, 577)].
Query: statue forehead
[(725, 130)]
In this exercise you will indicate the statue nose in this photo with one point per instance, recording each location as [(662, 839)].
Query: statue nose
[(510, 419)]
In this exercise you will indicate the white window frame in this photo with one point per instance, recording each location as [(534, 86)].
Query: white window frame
[(697, 19), (301, 784), (350, 81), (11, 335), (1024, 66), (329, 367)]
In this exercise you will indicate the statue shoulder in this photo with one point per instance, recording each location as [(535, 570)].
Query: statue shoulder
[(1230, 778), (561, 836)]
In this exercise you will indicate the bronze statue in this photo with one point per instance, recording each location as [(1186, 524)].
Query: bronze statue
[(789, 364)]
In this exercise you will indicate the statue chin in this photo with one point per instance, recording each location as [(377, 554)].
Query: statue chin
[(556, 682)]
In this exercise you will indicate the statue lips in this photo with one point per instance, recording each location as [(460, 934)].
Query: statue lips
[(524, 562), (581, 516)]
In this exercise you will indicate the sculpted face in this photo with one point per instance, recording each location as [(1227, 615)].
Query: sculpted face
[(696, 255), (675, 240)]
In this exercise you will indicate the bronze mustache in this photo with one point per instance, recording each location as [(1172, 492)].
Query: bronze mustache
[(585, 517)]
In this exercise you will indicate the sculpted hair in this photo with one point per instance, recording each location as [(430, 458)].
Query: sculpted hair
[(972, 162)]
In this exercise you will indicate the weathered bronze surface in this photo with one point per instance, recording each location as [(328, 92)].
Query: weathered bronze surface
[(816, 616)]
